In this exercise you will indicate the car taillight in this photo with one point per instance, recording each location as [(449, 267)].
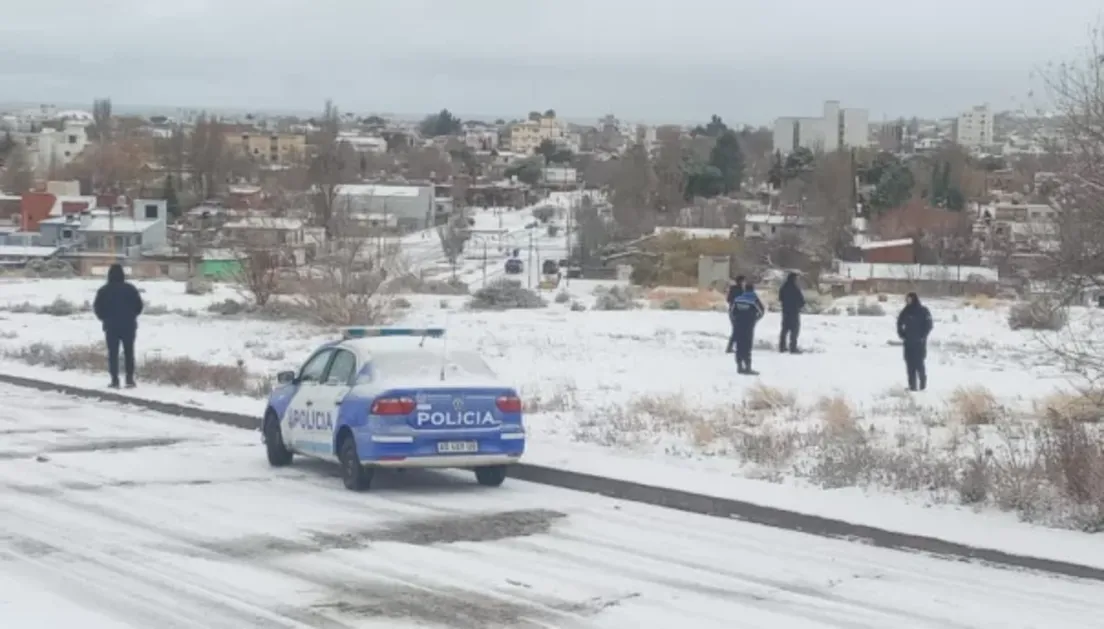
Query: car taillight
[(509, 404), (393, 406)]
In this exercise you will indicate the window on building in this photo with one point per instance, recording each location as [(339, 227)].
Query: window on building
[(755, 228), (66, 234), (152, 211), (72, 139), (67, 154)]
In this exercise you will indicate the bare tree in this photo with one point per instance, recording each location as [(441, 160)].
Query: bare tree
[(633, 194), (453, 238), (669, 173), (17, 176), (829, 203), (259, 274), (348, 284), (101, 129), (332, 166), (207, 155)]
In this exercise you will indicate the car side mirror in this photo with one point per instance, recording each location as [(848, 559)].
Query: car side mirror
[(285, 377)]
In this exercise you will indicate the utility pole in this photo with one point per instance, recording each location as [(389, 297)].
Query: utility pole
[(529, 275)]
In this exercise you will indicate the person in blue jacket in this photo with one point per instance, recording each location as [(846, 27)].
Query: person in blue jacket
[(747, 310), (735, 287)]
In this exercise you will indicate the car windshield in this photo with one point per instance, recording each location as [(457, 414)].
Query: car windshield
[(416, 365)]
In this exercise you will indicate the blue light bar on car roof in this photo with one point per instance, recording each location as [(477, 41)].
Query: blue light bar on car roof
[(370, 332)]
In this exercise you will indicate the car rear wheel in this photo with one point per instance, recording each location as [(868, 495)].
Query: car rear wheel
[(278, 453), (355, 476), (491, 476)]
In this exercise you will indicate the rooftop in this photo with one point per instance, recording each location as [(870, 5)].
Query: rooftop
[(26, 252), (118, 225), (373, 190), (886, 244), (265, 222)]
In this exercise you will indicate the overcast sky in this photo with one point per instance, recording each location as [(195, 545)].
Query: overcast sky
[(655, 60)]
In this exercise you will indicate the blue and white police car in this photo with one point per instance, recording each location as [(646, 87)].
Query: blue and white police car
[(387, 397)]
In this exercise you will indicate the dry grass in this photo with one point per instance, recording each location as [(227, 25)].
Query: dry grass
[(974, 406), (837, 414), (761, 397), (178, 372), (701, 300), (564, 399), (980, 302), (1072, 406), (1051, 472)]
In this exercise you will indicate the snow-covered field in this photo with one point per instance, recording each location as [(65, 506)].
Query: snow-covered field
[(114, 518), (649, 395)]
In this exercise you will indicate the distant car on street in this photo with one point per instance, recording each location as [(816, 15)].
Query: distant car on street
[(395, 398), (514, 266)]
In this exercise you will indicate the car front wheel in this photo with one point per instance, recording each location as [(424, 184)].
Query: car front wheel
[(278, 453), (355, 476), (490, 476)]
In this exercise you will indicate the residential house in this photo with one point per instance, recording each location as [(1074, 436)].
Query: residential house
[(901, 251), (1021, 226), (925, 279), (113, 234), (284, 236), (916, 218), (57, 145), (772, 226), (268, 148), (19, 256), (413, 206)]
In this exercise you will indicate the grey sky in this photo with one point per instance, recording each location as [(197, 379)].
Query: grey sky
[(747, 60)]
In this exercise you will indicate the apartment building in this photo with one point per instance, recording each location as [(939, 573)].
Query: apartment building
[(973, 129), (526, 136), (269, 148), (836, 128)]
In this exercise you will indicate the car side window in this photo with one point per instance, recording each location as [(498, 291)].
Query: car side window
[(315, 367), (342, 368)]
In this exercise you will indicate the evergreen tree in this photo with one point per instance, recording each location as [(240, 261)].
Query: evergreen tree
[(171, 200), (728, 158)]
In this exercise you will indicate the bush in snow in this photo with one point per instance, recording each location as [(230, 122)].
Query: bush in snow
[(53, 269), (198, 285), (577, 307), (562, 297), (401, 302), (227, 307), (60, 307), (615, 298), (410, 283), (505, 294), (866, 309), (671, 304), (1037, 314)]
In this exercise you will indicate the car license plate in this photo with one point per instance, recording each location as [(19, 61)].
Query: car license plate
[(457, 447)]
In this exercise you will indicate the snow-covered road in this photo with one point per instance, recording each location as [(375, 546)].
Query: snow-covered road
[(113, 517)]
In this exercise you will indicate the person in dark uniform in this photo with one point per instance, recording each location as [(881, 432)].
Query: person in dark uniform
[(792, 301), (914, 324), (735, 287), (747, 310), (118, 305)]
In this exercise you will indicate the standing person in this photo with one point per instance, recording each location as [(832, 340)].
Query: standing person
[(735, 287), (792, 301), (747, 310), (914, 324), (118, 305)]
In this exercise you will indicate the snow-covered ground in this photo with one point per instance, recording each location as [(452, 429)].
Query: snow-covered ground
[(114, 518), (648, 395)]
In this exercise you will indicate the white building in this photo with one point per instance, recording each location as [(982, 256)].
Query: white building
[(973, 129), (54, 148), (835, 129), (526, 136)]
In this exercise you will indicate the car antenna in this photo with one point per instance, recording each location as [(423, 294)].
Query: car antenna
[(444, 350)]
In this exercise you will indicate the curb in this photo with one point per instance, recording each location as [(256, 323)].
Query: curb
[(656, 496)]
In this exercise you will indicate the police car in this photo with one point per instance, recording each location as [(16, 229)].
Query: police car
[(385, 397)]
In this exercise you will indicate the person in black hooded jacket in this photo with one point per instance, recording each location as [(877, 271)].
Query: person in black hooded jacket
[(792, 301), (118, 305), (914, 324)]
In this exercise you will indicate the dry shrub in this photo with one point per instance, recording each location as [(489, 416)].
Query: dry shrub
[(980, 301), (1072, 406), (761, 397), (702, 300), (180, 372), (974, 406), (564, 399), (837, 414), (1037, 314)]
